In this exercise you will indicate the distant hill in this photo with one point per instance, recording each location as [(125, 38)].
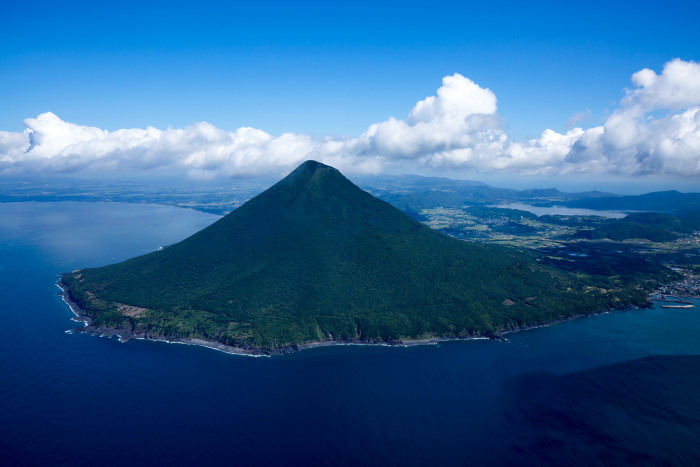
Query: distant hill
[(413, 193), (315, 258), (662, 201), (654, 226)]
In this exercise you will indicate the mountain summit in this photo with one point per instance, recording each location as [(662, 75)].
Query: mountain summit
[(314, 258)]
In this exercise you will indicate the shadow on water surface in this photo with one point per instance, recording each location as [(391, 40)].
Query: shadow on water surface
[(638, 412)]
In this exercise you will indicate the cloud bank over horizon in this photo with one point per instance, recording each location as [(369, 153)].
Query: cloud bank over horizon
[(655, 130)]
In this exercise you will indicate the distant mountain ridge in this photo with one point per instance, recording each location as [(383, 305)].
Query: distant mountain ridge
[(671, 201), (409, 193), (654, 226), (413, 193), (316, 259)]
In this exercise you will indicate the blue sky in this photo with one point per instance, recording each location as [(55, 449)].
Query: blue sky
[(320, 69)]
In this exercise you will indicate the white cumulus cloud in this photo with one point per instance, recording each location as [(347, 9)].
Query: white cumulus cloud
[(654, 130)]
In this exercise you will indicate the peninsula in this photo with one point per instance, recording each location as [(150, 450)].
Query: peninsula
[(315, 260)]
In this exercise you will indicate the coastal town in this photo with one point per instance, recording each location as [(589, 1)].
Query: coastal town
[(688, 286)]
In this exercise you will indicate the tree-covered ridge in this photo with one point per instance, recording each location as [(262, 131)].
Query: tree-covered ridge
[(315, 258)]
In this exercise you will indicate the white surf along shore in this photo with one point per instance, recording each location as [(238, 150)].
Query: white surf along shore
[(124, 336)]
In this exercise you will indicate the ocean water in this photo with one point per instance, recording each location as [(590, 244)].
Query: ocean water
[(613, 389)]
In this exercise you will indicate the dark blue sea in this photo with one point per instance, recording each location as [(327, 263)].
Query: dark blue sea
[(614, 389)]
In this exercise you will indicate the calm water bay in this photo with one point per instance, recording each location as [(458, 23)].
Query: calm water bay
[(575, 393), (561, 210)]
